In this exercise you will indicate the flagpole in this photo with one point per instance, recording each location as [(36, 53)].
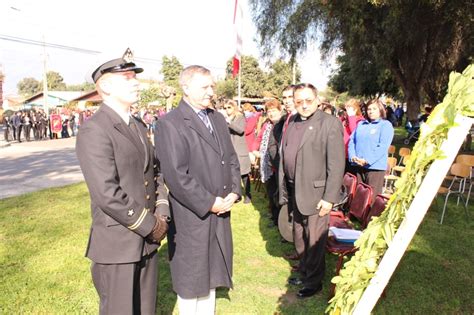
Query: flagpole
[(240, 81)]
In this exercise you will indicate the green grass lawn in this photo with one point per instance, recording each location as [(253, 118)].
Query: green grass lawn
[(44, 271)]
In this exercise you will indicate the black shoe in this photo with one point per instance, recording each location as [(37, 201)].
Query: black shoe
[(295, 281), (307, 292)]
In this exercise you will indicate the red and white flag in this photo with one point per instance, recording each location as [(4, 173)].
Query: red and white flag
[(238, 16)]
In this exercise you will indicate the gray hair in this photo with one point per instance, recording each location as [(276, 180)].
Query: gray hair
[(188, 72)]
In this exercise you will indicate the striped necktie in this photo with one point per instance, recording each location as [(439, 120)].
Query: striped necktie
[(205, 119)]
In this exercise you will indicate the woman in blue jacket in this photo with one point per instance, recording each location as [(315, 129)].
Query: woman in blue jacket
[(368, 146)]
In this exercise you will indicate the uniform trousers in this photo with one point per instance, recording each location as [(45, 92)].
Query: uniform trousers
[(127, 288), (311, 234), (204, 305)]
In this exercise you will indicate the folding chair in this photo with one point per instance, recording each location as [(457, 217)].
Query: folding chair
[(402, 152), (468, 160), (391, 150), (377, 208), (389, 177), (350, 182), (461, 173), (358, 209), (400, 168)]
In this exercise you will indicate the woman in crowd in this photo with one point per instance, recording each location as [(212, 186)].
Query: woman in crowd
[(260, 149), (328, 109), (350, 119), (236, 123), (368, 146), (251, 119), (26, 121)]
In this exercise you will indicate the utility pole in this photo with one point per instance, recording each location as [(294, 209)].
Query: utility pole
[(294, 73), (45, 80), (2, 76)]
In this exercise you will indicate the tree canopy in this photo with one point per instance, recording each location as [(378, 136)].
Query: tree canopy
[(171, 68), (55, 81), (415, 40), (255, 81), (28, 87)]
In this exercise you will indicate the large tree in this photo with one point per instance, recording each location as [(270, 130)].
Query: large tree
[(252, 77), (280, 75), (55, 81), (407, 37), (257, 82), (28, 87), (362, 77), (86, 86), (171, 68)]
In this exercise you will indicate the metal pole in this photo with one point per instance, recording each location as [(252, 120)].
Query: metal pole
[(294, 72), (240, 81), (45, 80)]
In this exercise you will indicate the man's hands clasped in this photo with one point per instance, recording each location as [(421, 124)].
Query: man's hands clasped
[(223, 205), (159, 230)]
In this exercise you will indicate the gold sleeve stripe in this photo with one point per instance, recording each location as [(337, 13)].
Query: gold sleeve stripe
[(162, 202), (167, 189), (139, 221)]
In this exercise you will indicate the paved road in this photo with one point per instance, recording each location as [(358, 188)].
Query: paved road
[(31, 166)]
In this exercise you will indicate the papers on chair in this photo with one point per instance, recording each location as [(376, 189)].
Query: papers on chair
[(345, 235)]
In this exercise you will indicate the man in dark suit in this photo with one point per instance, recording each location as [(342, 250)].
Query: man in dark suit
[(201, 170), (128, 198), (17, 125), (310, 178)]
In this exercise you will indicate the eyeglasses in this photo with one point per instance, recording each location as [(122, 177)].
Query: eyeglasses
[(306, 101)]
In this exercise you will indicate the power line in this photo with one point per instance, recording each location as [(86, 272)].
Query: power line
[(40, 43), (83, 50)]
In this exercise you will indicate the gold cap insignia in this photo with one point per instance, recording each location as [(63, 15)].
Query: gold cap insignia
[(128, 55)]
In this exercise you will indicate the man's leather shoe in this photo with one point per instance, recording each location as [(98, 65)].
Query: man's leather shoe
[(292, 256), (295, 281), (307, 292)]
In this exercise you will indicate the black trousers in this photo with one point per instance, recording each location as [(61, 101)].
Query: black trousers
[(246, 183), (272, 191), (6, 134), (311, 234), (127, 288), (18, 133), (27, 132)]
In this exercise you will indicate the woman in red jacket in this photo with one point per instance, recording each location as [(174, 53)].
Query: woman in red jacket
[(351, 117)]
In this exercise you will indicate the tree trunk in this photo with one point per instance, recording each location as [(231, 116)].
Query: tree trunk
[(413, 99)]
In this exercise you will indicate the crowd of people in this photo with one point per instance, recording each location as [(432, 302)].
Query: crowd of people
[(153, 175), (37, 125)]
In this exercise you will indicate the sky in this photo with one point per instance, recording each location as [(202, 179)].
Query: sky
[(195, 31)]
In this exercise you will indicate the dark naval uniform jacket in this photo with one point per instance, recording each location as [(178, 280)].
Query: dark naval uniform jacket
[(197, 168), (124, 184)]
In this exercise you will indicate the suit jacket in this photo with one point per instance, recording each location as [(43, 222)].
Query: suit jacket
[(320, 163), (120, 173), (237, 129), (274, 142), (196, 169)]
